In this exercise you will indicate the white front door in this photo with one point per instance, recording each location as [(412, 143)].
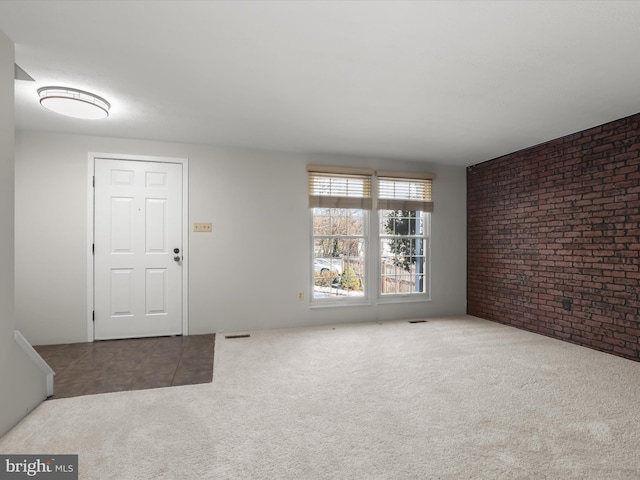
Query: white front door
[(137, 249)]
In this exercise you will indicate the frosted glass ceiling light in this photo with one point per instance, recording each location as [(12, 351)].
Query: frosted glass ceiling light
[(73, 102)]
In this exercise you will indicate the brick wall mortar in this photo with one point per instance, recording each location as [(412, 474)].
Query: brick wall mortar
[(561, 222)]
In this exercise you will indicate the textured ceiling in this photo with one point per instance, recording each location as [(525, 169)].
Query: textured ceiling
[(447, 82)]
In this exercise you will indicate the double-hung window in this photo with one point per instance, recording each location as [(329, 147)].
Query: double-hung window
[(340, 201), (404, 205), (369, 227)]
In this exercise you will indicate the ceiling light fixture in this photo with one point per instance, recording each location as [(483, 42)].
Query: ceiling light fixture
[(73, 102)]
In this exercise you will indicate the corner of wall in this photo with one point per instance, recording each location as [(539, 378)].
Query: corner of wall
[(22, 382)]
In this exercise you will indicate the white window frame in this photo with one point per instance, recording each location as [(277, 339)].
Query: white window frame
[(336, 301), (408, 296), (372, 240)]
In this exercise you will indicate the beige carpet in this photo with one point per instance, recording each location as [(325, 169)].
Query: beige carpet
[(454, 398)]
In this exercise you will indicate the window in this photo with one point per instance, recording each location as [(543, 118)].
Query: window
[(355, 233), (340, 200), (403, 212), (403, 252), (339, 252)]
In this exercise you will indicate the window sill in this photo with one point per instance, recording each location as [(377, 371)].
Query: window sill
[(395, 299), (403, 299), (339, 303)]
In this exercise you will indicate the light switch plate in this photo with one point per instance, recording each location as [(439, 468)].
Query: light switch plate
[(202, 227)]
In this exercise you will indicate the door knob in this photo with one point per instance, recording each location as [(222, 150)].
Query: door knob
[(177, 258)]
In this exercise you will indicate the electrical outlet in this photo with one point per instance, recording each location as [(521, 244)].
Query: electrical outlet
[(300, 295), (202, 227)]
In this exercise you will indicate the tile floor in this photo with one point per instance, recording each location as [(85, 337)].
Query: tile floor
[(135, 364)]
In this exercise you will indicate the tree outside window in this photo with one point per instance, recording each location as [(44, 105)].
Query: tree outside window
[(339, 252), (402, 251)]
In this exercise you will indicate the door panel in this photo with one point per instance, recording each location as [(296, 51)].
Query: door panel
[(138, 224), (121, 290), (156, 225), (156, 291), (121, 225)]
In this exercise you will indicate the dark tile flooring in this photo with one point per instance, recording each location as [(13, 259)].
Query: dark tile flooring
[(135, 364)]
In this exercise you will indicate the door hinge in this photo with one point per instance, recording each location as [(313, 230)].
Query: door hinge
[(93, 248), (94, 181), (93, 316)]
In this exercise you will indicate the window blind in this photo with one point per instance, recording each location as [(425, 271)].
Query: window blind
[(405, 191), (339, 187)]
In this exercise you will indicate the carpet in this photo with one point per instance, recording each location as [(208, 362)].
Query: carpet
[(451, 398)]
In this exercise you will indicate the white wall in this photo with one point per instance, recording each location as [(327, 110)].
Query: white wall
[(22, 385), (245, 275)]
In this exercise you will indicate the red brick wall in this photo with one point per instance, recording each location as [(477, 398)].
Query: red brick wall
[(560, 222)]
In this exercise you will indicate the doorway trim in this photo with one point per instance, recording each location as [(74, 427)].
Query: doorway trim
[(92, 157)]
